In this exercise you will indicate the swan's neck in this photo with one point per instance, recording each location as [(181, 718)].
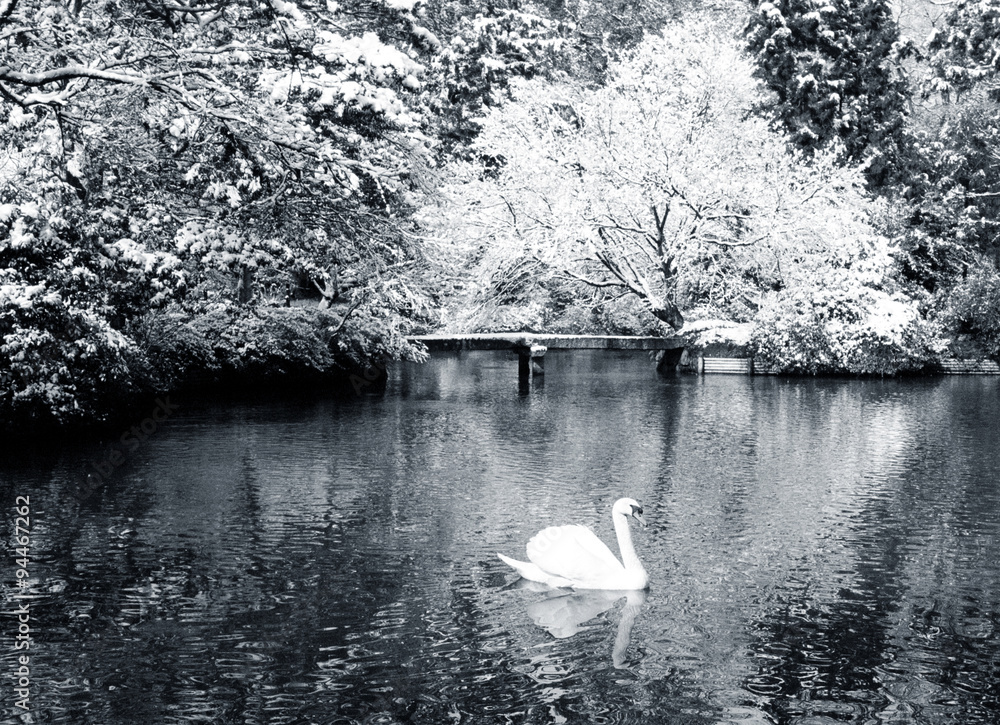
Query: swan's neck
[(629, 558)]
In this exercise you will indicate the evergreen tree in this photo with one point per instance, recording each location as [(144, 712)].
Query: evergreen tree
[(965, 52), (831, 64)]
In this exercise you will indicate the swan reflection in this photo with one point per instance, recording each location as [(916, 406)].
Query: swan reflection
[(563, 612)]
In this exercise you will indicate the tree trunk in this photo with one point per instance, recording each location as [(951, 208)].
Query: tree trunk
[(245, 289), (668, 312)]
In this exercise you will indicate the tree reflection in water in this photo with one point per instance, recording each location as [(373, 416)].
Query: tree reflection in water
[(819, 551)]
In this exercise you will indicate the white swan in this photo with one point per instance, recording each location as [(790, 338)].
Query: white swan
[(573, 556)]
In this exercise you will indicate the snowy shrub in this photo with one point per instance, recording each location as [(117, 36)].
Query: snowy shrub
[(973, 307), (61, 364), (266, 343), (176, 354), (374, 333), (65, 294), (842, 326), (235, 343)]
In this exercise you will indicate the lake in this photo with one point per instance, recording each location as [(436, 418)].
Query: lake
[(820, 552)]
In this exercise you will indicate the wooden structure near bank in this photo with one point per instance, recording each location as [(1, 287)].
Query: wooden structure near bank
[(531, 347), (970, 367), (728, 365)]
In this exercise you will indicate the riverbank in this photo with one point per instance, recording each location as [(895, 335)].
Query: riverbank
[(244, 351), (236, 350), (830, 350)]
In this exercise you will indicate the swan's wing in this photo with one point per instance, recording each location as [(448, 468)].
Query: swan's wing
[(532, 572), (573, 552)]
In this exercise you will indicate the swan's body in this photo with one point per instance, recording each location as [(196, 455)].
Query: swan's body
[(573, 556)]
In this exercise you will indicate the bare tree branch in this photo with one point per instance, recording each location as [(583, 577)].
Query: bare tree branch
[(350, 310), (68, 73), (588, 281)]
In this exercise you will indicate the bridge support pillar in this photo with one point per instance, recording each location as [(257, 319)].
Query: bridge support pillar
[(668, 360), (530, 362)]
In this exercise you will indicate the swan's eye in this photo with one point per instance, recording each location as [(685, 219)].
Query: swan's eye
[(637, 510)]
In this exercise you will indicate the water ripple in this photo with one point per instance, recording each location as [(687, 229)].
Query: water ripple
[(820, 552)]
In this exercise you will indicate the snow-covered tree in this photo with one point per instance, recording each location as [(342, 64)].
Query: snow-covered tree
[(665, 187), (833, 65), (196, 155), (965, 49), (662, 184)]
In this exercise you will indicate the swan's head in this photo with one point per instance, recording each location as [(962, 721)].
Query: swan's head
[(629, 507)]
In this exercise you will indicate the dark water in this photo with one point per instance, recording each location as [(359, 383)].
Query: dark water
[(820, 552)]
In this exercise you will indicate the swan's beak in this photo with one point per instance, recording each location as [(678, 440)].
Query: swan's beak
[(638, 517)]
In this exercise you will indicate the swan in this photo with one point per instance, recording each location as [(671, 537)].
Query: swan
[(572, 556)]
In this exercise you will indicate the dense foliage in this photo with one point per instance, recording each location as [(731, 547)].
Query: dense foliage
[(952, 229), (833, 66), (194, 193), (197, 161), (841, 73), (965, 51), (662, 185)]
